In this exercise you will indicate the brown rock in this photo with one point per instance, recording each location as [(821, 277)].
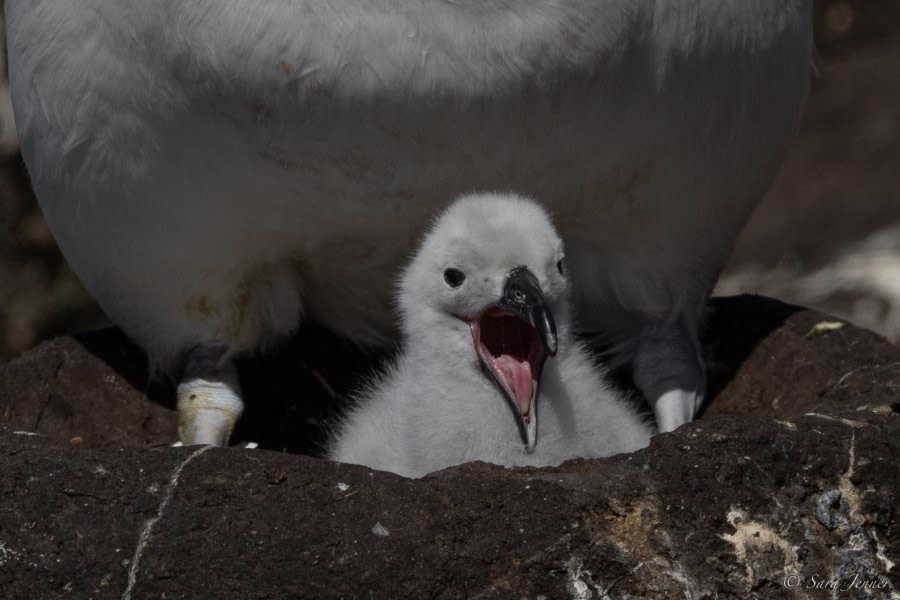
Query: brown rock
[(756, 500)]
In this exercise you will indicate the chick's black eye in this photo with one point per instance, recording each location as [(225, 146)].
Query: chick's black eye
[(559, 266), (454, 277)]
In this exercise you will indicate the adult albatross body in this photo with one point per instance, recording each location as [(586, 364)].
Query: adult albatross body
[(216, 171)]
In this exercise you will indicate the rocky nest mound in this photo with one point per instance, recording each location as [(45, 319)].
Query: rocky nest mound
[(787, 487)]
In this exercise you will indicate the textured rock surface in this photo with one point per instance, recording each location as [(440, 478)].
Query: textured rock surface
[(758, 499)]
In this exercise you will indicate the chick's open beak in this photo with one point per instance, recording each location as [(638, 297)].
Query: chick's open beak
[(513, 338)]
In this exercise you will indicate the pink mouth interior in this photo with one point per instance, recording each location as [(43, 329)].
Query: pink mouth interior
[(511, 348)]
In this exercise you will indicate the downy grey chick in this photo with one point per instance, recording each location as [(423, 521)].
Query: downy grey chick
[(489, 368)]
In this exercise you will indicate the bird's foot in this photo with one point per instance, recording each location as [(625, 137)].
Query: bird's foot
[(669, 371), (209, 397), (675, 408)]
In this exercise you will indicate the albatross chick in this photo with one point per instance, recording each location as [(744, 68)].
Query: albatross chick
[(489, 369)]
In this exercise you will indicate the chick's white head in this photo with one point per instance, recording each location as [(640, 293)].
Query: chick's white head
[(464, 260)]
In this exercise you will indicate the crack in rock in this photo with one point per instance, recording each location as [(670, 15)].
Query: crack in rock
[(848, 422), (147, 529)]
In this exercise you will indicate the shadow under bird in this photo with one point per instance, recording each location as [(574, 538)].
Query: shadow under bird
[(218, 172), (489, 368)]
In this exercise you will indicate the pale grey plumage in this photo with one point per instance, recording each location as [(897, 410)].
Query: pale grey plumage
[(218, 171), (436, 406)]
